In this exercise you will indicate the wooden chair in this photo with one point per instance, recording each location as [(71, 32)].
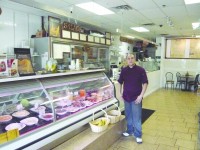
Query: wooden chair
[(179, 81), (195, 83), (198, 85), (169, 80)]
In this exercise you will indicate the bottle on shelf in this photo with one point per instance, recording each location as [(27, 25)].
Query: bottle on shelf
[(44, 33)]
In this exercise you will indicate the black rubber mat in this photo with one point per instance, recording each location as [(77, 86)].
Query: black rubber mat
[(146, 113)]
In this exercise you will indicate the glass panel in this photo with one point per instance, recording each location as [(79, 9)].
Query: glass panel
[(80, 95), (25, 111)]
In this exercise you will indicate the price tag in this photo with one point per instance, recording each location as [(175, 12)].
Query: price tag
[(12, 134), (3, 138), (9, 135)]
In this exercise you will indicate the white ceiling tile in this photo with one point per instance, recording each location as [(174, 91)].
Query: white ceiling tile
[(179, 11), (153, 13), (141, 4), (193, 9), (76, 1), (110, 3), (169, 3)]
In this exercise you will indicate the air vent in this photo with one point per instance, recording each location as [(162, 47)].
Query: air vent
[(148, 24), (123, 7)]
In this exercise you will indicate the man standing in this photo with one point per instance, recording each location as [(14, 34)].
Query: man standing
[(134, 80)]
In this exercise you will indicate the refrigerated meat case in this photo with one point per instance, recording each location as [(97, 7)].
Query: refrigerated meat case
[(46, 107)]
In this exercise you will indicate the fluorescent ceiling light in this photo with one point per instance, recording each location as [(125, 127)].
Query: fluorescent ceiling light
[(198, 36), (140, 29), (95, 8), (187, 2), (195, 25), (131, 37)]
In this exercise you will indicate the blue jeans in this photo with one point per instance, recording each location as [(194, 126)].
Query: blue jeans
[(133, 113)]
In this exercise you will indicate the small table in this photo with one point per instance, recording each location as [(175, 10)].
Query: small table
[(186, 77)]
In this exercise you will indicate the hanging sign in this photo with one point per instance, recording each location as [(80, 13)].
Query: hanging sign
[(124, 39), (71, 27)]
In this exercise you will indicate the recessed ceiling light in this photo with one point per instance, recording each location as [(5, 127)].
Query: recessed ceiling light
[(195, 25), (95, 8), (191, 1), (140, 29)]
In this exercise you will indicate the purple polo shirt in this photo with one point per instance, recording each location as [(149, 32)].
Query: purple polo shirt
[(132, 78)]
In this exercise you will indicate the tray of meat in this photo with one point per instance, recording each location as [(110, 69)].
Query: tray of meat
[(5, 118), (72, 109)]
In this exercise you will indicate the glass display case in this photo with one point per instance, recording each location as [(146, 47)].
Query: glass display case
[(39, 108)]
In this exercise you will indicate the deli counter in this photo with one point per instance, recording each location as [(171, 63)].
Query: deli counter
[(43, 108)]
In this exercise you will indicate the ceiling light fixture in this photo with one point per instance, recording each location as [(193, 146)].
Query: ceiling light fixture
[(140, 29), (195, 25), (187, 2), (169, 22), (95, 8), (197, 36)]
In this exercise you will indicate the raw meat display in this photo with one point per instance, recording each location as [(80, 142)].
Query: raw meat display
[(5, 118), (21, 114)]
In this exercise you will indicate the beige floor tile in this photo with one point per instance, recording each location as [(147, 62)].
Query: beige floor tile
[(181, 129), (194, 137), (149, 139), (167, 134), (192, 125), (126, 142), (165, 147), (152, 132), (178, 124), (193, 130), (185, 144), (173, 126), (182, 148), (179, 120), (146, 146), (113, 148), (166, 141), (180, 135)]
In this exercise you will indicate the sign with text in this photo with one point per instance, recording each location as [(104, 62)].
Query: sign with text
[(71, 27), (124, 39)]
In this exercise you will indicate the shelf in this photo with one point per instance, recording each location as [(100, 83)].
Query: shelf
[(48, 75), (35, 55), (7, 55)]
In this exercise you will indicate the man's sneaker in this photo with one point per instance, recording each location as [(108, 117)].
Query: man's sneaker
[(126, 134), (139, 140)]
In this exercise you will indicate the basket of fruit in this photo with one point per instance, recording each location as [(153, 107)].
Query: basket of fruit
[(100, 124), (114, 115)]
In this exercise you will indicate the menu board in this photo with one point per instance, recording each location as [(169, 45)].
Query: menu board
[(178, 48), (25, 66), (194, 48), (183, 48)]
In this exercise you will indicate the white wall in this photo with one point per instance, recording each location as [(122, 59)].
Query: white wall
[(16, 27), (154, 82), (177, 65)]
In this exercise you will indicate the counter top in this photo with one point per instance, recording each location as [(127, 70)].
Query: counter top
[(70, 72)]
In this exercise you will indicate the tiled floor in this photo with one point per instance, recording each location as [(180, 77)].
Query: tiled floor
[(173, 126)]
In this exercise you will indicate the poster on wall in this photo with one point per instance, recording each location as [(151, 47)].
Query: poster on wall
[(25, 67), (54, 26), (194, 48), (182, 48)]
